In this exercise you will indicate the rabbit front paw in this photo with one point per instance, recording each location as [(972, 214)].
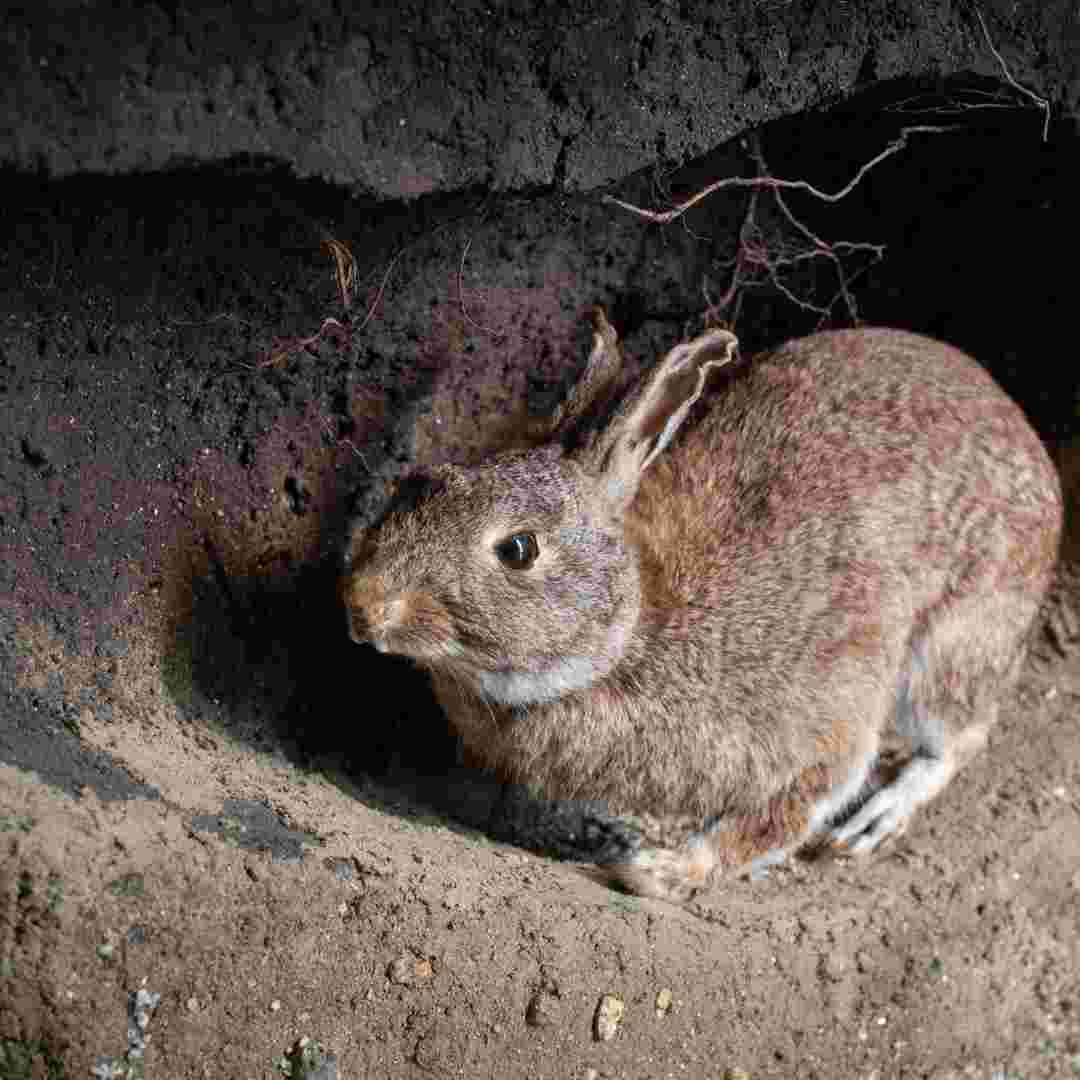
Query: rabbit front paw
[(675, 875)]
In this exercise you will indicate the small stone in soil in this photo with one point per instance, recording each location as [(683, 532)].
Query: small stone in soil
[(609, 1014), (540, 1011)]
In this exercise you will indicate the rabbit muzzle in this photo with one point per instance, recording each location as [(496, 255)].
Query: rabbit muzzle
[(406, 622), (368, 611)]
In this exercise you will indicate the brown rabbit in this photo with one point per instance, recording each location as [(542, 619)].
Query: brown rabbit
[(709, 617)]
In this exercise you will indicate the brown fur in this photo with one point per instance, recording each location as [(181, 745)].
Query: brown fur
[(853, 524)]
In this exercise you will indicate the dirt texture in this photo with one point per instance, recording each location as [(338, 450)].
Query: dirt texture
[(405, 99), (224, 828)]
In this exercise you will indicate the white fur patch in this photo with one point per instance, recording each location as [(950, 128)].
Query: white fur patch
[(888, 812), (533, 688), (561, 678), (834, 802)]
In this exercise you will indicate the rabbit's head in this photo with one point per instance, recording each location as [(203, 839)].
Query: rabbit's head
[(516, 577)]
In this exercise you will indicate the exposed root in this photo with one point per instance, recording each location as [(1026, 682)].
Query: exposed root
[(1040, 102), (282, 349), (497, 334), (663, 217), (344, 269)]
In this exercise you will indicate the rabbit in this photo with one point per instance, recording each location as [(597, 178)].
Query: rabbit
[(708, 606)]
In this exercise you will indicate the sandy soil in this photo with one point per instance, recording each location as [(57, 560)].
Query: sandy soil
[(304, 908)]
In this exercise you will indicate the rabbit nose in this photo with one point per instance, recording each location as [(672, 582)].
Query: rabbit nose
[(360, 628), (365, 608)]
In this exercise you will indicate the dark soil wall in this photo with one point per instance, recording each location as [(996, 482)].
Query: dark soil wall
[(406, 99)]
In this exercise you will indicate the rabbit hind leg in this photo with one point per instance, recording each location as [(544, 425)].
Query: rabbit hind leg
[(889, 810), (946, 702), (836, 804), (948, 699)]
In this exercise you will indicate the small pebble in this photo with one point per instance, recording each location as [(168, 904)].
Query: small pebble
[(835, 966), (664, 1000), (408, 968), (343, 869), (400, 971), (540, 1012), (609, 1014)]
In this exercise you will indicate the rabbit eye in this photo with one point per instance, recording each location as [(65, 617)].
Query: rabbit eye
[(518, 552)]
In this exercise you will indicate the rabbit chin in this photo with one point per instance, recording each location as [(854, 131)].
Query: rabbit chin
[(561, 677), (536, 687)]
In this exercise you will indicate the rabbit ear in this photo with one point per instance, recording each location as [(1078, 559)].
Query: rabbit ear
[(601, 370), (594, 385), (647, 422)]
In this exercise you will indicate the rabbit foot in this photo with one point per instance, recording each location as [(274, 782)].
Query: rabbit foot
[(887, 812), (666, 874), (759, 868)]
